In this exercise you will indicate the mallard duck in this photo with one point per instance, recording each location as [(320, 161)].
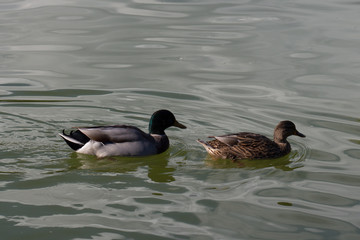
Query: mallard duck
[(123, 140), (245, 145)]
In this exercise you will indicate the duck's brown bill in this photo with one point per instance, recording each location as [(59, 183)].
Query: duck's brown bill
[(179, 125), (297, 133)]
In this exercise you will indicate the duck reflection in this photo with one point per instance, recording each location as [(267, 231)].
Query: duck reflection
[(286, 163), (158, 169)]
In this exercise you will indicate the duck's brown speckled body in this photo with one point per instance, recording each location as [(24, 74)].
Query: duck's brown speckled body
[(245, 145)]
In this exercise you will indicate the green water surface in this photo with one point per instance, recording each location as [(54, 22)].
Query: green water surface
[(221, 67)]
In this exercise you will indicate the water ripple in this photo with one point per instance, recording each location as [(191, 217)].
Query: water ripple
[(164, 94), (137, 11), (221, 67), (239, 20), (40, 48)]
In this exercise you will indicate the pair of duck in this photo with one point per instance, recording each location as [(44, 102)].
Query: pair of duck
[(125, 140)]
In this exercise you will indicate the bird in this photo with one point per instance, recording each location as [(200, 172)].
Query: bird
[(246, 145), (123, 140)]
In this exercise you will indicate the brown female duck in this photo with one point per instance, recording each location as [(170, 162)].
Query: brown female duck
[(245, 145)]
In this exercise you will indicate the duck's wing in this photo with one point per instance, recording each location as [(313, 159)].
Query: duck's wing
[(115, 134), (229, 140), (117, 140), (247, 145), (241, 138)]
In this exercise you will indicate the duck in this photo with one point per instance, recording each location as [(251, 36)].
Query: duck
[(123, 140), (246, 145)]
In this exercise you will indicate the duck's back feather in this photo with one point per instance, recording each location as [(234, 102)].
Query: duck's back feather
[(243, 145), (115, 134)]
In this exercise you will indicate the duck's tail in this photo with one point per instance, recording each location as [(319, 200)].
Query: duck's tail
[(207, 146), (75, 139)]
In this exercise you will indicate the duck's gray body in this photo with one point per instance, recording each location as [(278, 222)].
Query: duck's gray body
[(123, 140)]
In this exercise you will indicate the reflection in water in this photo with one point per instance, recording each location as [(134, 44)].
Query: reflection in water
[(158, 170), (286, 163)]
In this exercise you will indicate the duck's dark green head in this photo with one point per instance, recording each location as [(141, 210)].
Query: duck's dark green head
[(161, 120), (285, 129)]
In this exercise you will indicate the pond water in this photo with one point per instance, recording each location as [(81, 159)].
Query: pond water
[(221, 67)]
